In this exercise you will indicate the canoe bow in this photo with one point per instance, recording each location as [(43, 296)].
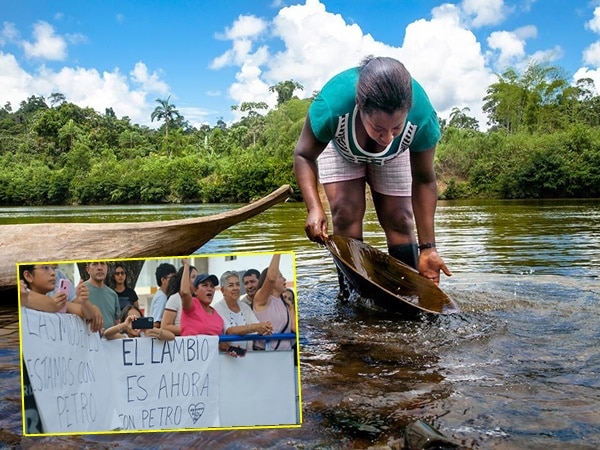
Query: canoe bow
[(47, 242)]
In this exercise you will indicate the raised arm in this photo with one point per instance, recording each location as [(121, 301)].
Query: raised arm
[(185, 289), (261, 298)]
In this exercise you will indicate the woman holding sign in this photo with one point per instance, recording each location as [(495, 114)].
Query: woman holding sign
[(41, 280)]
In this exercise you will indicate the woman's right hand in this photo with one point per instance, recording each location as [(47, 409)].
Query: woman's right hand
[(316, 226), (59, 301)]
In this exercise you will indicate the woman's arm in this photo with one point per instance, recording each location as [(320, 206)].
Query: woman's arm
[(185, 288), (168, 322), (261, 298), (160, 333), (42, 302), (424, 199), (307, 150), (118, 331), (260, 328)]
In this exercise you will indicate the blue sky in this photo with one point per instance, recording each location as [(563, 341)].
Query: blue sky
[(209, 56)]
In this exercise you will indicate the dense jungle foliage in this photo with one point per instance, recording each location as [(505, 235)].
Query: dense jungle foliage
[(542, 141)]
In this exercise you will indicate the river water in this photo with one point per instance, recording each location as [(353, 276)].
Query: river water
[(517, 368)]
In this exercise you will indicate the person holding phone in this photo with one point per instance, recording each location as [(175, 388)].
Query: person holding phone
[(133, 324), (63, 284), (238, 316), (40, 280)]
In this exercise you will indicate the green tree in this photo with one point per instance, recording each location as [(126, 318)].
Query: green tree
[(69, 133), (285, 90), (253, 120), (57, 99), (528, 100), (460, 119), (165, 111)]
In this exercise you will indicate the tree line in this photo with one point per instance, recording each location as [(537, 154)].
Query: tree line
[(542, 141)]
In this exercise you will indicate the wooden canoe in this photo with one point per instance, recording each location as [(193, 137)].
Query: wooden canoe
[(47, 242), (387, 282)]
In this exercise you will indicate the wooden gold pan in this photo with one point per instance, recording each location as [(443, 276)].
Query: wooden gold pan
[(389, 283)]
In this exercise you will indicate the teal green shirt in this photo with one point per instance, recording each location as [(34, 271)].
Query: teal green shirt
[(333, 116), (107, 302)]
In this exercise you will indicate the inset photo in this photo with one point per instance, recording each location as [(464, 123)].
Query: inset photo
[(177, 344)]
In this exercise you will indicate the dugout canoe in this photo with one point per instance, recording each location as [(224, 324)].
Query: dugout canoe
[(387, 282), (47, 242)]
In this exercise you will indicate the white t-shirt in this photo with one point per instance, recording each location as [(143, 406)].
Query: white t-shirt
[(244, 317), (174, 304)]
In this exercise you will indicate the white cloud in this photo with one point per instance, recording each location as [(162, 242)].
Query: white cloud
[(88, 87), (194, 115), (15, 82), (594, 23), (549, 55), (441, 54), (133, 96), (585, 72), (591, 55), (509, 46), (9, 33), (484, 12), (244, 27), (149, 82), (448, 63), (46, 44)]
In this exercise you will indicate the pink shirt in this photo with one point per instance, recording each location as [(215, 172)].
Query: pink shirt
[(198, 321), (278, 314)]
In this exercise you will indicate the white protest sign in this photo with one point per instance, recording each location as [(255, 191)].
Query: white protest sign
[(166, 384), (82, 383)]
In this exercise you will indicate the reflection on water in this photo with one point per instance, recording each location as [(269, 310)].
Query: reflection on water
[(517, 368)]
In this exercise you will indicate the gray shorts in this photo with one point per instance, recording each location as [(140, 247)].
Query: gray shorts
[(393, 178)]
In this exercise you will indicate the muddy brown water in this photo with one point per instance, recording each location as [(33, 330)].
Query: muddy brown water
[(518, 367)]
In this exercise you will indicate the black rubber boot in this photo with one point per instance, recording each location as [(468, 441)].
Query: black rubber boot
[(407, 253)]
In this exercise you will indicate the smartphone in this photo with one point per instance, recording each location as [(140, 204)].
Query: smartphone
[(143, 323), (238, 350), (64, 285)]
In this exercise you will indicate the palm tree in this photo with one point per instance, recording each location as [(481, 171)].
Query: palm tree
[(165, 111)]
